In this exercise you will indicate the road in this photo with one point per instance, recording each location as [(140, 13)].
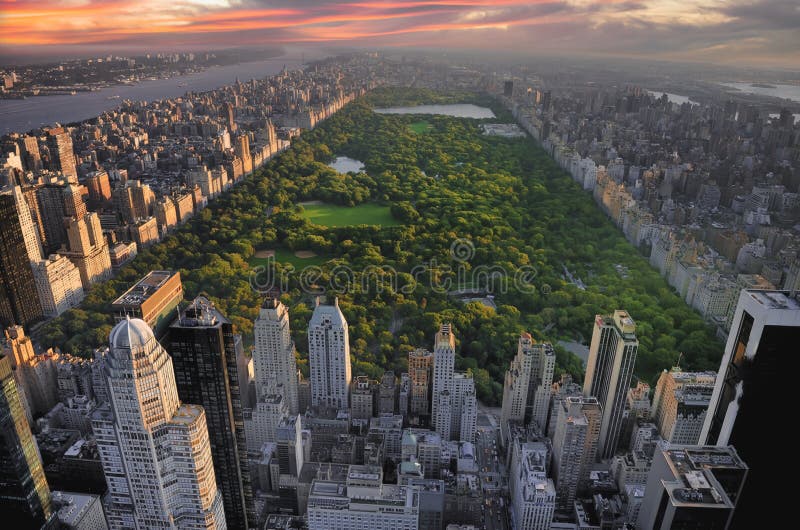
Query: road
[(494, 481)]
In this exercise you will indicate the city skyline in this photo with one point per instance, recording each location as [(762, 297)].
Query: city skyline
[(735, 32)]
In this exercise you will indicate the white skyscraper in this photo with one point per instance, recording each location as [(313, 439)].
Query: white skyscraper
[(329, 357), (612, 355), (444, 358), (155, 451), (273, 357), (533, 495)]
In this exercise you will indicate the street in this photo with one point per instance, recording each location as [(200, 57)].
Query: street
[(494, 484)]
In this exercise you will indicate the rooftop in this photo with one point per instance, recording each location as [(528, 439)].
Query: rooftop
[(775, 299), (144, 288)]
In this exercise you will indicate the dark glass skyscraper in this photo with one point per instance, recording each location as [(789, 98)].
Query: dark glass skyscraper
[(19, 300), (753, 394), (24, 494), (204, 350)]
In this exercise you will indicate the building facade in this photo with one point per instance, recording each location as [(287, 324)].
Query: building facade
[(329, 357)]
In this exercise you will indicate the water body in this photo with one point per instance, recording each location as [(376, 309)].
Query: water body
[(673, 98), (577, 348), (22, 115), (343, 164), (460, 110), (780, 91)]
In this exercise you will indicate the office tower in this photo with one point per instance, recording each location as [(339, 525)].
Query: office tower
[(62, 155), (289, 442), (362, 501), (362, 398), (58, 282), (99, 187), (527, 386), (19, 299), (420, 370), (227, 113), (24, 494), (680, 403), (444, 358), (612, 354), (575, 445), (79, 511), (533, 495), (694, 487), (261, 421), (50, 203), (744, 411), (204, 351), (155, 451), (88, 249), (31, 156), (329, 357), (387, 393), (154, 299), (274, 360), (561, 390), (30, 233), (463, 409)]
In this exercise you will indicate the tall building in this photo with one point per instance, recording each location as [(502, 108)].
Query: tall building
[(528, 382), (744, 409), (155, 451), (274, 360), (362, 398), (692, 487), (88, 249), (31, 156), (444, 358), (19, 299), (680, 404), (36, 375), (329, 357), (420, 370), (62, 155), (24, 495), (58, 282), (154, 299), (463, 409), (612, 355), (204, 353), (574, 447), (242, 150), (79, 511), (362, 502), (533, 495)]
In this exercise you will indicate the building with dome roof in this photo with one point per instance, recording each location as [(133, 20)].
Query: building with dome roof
[(155, 451)]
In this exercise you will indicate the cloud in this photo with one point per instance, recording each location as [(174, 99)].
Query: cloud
[(758, 30)]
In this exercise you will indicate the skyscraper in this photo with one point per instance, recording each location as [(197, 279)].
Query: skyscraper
[(694, 487), (420, 370), (155, 451), (19, 299), (24, 494), (745, 408), (680, 404), (274, 361), (574, 446), (444, 356), (204, 352), (533, 494), (62, 155), (329, 357), (88, 249), (527, 387), (612, 355)]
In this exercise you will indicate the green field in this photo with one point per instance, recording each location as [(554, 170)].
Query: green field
[(332, 215), (420, 127), (283, 255)]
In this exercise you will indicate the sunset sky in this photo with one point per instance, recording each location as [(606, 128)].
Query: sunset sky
[(732, 31)]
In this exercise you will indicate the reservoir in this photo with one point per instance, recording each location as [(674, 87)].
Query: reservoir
[(460, 110)]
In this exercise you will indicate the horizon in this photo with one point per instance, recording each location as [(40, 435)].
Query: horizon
[(760, 33)]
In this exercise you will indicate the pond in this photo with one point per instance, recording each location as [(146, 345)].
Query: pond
[(344, 164), (460, 110)]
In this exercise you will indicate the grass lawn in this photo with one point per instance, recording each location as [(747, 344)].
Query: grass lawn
[(332, 215), (420, 127), (283, 255)]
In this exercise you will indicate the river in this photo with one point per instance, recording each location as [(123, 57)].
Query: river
[(791, 92), (22, 115)]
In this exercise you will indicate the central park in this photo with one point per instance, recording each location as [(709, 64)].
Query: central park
[(427, 182)]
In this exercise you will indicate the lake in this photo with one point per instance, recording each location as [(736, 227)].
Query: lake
[(460, 110), (22, 115), (343, 164), (780, 91)]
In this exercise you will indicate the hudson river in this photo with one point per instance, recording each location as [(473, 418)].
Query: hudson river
[(22, 115)]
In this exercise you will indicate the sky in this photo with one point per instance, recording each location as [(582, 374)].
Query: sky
[(754, 32)]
